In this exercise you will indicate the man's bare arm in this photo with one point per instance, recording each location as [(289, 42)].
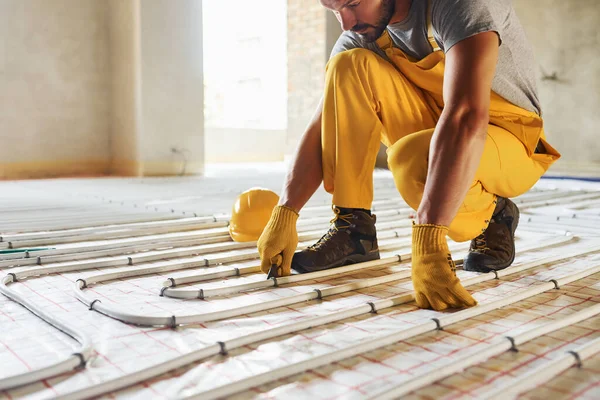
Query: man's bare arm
[(459, 138), (306, 172)]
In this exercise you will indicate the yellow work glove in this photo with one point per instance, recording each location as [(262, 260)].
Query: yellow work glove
[(433, 271), (279, 238)]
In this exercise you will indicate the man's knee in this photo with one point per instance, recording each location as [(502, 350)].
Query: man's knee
[(350, 60), (407, 159)]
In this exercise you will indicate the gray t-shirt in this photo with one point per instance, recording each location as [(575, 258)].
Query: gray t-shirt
[(456, 20)]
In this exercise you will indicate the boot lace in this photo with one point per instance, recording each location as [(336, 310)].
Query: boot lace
[(333, 229), (480, 244)]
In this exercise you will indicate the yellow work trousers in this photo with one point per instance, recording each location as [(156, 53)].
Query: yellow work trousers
[(368, 101)]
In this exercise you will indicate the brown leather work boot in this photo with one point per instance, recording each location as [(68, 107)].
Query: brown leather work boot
[(494, 249), (351, 239)]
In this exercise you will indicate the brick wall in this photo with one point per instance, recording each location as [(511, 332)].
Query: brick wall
[(312, 32), (307, 56)]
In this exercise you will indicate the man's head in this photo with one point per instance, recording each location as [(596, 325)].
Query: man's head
[(368, 18)]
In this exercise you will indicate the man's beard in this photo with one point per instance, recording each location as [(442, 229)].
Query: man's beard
[(387, 11)]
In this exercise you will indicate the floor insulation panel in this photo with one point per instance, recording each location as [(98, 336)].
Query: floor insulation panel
[(90, 308)]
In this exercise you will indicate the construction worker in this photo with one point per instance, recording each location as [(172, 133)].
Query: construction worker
[(449, 87)]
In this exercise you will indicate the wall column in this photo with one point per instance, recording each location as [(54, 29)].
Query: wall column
[(158, 90)]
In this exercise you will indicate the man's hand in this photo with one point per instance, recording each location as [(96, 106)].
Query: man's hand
[(279, 238), (433, 271)]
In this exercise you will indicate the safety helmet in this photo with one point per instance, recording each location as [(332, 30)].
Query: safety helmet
[(251, 213)]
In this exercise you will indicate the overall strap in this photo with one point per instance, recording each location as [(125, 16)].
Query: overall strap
[(385, 41), (430, 36)]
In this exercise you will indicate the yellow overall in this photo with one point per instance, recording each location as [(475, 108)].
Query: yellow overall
[(367, 99)]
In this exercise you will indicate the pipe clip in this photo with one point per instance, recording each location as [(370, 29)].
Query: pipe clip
[(438, 324), (577, 358), (82, 281), (513, 345), (162, 291), (556, 286), (82, 361), (201, 294), (223, 350), (173, 284), (373, 308), (173, 322), (319, 294), (92, 304), (13, 277)]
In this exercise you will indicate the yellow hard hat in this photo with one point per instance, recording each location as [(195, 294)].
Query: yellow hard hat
[(251, 213)]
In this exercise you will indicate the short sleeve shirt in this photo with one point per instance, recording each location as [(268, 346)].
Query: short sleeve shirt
[(456, 20)]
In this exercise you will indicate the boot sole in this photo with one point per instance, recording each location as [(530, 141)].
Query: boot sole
[(351, 259), (513, 228)]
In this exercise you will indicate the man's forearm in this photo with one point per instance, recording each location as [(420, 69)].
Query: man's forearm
[(454, 156), (306, 172)]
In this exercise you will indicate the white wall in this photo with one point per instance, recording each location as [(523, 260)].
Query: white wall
[(101, 86), (54, 88), (172, 87), (566, 41), (125, 122)]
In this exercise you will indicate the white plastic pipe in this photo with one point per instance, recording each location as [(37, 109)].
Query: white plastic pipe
[(138, 244), (567, 220), (273, 282), (483, 353), (176, 264), (557, 201), (114, 234), (75, 360), (124, 232), (126, 246), (574, 227), (79, 234), (69, 362), (35, 259), (82, 221), (222, 347), (547, 371), (381, 341), (116, 312), (172, 282), (176, 224), (207, 249), (173, 320), (183, 221), (229, 289), (534, 195)]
